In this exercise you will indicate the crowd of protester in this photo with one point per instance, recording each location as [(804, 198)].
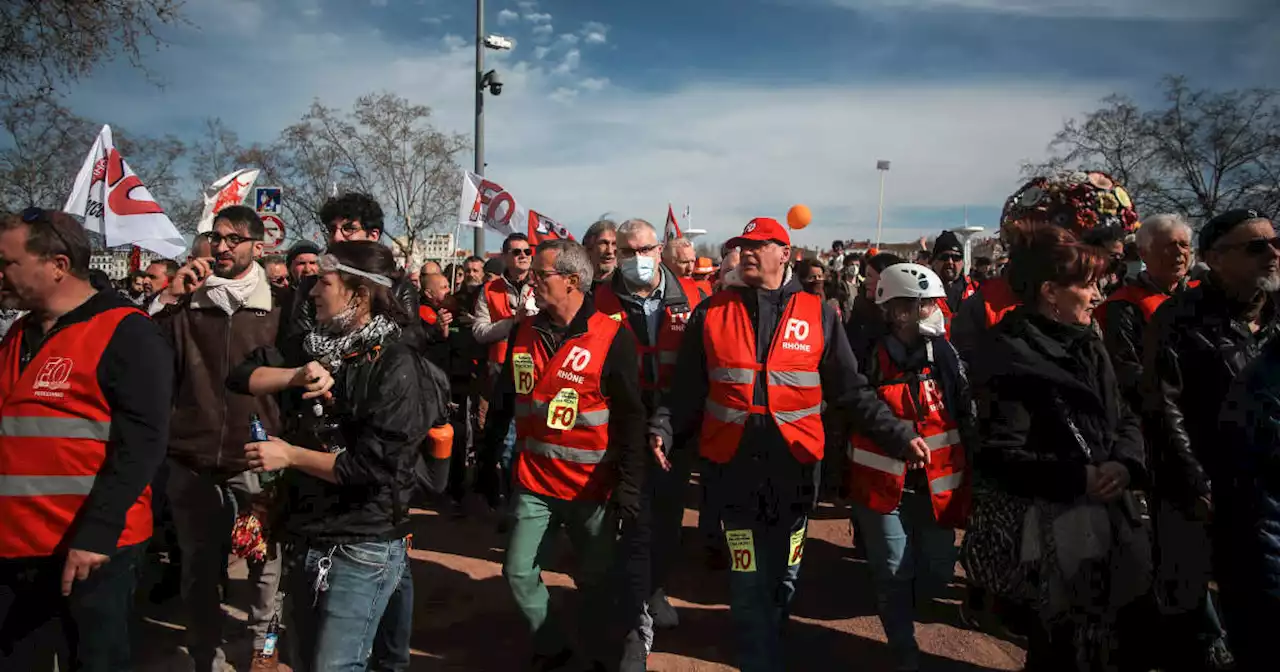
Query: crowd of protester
[(1099, 423)]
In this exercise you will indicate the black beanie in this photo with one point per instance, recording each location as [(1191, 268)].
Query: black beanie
[(299, 248), (947, 242), (1221, 225)]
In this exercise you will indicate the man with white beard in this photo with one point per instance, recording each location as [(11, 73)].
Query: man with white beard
[(1197, 343)]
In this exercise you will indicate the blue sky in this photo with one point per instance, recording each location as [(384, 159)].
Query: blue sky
[(736, 107)]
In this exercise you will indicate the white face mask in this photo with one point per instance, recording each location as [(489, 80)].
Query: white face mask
[(934, 325), (638, 270)]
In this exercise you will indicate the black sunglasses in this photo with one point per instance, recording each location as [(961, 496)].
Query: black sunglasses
[(520, 251), (1258, 246), (33, 215), (950, 257)]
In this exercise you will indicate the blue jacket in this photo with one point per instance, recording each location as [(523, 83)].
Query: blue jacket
[(1247, 495)]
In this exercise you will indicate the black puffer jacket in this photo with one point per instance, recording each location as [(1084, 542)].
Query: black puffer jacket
[(1029, 375), (386, 402), (1195, 347)]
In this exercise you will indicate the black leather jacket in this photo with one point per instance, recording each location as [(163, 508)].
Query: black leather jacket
[(1195, 348), (1122, 335)]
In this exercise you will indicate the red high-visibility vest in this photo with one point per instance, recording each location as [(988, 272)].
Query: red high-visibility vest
[(670, 333), (562, 416), (998, 299), (791, 368), (495, 294), (970, 288), (54, 427), (1145, 298), (429, 315), (876, 480)]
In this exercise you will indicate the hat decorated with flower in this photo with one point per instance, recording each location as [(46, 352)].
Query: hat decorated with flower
[(1075, 200)]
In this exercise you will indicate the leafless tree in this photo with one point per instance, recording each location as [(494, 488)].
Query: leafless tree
[(386, 147), (46, 44), (1201, 153)]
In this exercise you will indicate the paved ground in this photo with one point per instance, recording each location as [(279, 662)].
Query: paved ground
[(465, 619)]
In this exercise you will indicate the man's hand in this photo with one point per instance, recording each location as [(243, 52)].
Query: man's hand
[(1113, 478), (660, 456), (78, 567), (917, 454), (188, 279), (270, 455), (314, 379), (445, 318)]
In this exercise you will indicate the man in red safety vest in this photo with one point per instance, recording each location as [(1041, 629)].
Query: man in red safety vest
[(757, 364), (1164, 243), (85, 393), (652, 302), (570, 381)]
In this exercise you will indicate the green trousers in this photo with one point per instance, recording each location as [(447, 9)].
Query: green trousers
[(592, 531)]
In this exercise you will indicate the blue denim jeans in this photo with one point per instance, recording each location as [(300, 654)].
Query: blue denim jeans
[(333, 631), (391, 645), (912, 559), (761, 586)]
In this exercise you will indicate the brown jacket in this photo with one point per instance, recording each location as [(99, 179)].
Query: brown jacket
[(210, 424)]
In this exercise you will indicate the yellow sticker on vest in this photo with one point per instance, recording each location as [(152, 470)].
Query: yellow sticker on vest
[(522, 369), (797, 548), (742, 550), (616, 317), (563, 410)]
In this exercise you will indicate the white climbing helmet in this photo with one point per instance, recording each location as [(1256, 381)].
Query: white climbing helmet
[(910, 281)]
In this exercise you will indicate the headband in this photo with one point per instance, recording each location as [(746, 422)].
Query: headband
[(330, 264)]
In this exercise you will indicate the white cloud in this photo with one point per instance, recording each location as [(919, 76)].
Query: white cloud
[(570, 63), (541, 52), (1177, 10), (537, 18), (526, 5), (434, 20), (595, 33), (568, 38), (579, 146), (543, 30), (507, 16)]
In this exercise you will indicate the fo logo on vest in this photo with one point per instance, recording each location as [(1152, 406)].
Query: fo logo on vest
[(53, 377), (577, 359), (796, 332)]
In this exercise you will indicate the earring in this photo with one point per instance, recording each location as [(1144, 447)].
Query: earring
[(1056, 314)]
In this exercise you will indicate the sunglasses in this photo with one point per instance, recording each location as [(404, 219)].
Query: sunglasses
[(1257, 247), (950, 257), (33, 215), (520, 252)]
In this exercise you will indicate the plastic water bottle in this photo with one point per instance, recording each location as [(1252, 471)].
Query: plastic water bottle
[(259, 433)]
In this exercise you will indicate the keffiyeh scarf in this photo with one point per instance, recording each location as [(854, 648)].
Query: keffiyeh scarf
[(332, 344)]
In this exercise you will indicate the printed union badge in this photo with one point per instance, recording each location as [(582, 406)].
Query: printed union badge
[(742, 549), (563, 411), (522, 369)]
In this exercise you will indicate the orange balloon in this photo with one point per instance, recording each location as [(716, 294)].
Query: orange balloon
[(799, 217)]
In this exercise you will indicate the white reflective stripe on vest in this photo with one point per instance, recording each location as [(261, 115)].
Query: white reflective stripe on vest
[(45, 486), (738, 376), (54, 428), (725, 414), (794, 416), (878, 462), (795, 378), (585, 419), (940, 441), (564, 453), (946, 483)]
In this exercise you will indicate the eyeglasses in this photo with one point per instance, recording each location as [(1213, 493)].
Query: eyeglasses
[(1256, 247), (543, 275), (950, 257), (520, 251), (627, 252), (232, 240), (349, 229), (34, 215)]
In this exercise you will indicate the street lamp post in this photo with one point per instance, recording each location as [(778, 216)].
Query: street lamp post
[(479, 139), (883, 167)]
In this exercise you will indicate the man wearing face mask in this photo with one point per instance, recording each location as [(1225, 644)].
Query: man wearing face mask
[(1164, 243), (654, 304), (1196, 344), (215, 313), (846, 283), (755, 367)]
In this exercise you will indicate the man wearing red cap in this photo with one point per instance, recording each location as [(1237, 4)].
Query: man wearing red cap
[(756, 365)]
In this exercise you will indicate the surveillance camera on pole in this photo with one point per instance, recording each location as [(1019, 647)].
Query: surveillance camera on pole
[(498, 43), (492, 80)]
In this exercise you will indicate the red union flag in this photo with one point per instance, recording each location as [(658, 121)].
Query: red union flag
[(230, 189), (672, 228), (485, 203), (542, 227)]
